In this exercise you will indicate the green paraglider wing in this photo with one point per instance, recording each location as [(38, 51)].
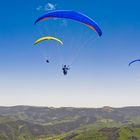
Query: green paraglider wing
[(48, 38)]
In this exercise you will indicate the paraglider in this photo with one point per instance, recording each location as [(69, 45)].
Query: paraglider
[(65, 69), (72, 15), (137, 60), (48, 38), (68, 14), (47, 61)]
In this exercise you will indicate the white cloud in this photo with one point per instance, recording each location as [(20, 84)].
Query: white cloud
[(46, 7), (39, 8), (49, 6)]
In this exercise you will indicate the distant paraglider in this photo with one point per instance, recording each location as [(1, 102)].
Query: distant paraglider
[(47, 61), (137, 60), (48, 38)]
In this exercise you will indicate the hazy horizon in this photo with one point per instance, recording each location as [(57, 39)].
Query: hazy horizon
[(69, 106)]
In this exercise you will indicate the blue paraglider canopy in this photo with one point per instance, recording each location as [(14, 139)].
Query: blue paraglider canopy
[(72, 15), (137, 60)]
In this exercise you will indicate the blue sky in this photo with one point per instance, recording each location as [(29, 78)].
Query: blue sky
[(100, 74)]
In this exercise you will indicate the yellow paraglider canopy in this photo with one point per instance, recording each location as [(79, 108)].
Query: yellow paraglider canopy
[(48, 38)]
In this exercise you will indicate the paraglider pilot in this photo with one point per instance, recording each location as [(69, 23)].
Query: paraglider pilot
[(47, 61), (65, 69)]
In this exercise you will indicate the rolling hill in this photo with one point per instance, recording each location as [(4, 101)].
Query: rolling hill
[(67, 123)]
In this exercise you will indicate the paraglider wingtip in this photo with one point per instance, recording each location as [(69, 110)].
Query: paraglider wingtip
[(100, 34), (129, 64), (35, 22)]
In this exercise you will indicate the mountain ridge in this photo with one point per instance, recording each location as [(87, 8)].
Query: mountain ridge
[(69, 123)]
